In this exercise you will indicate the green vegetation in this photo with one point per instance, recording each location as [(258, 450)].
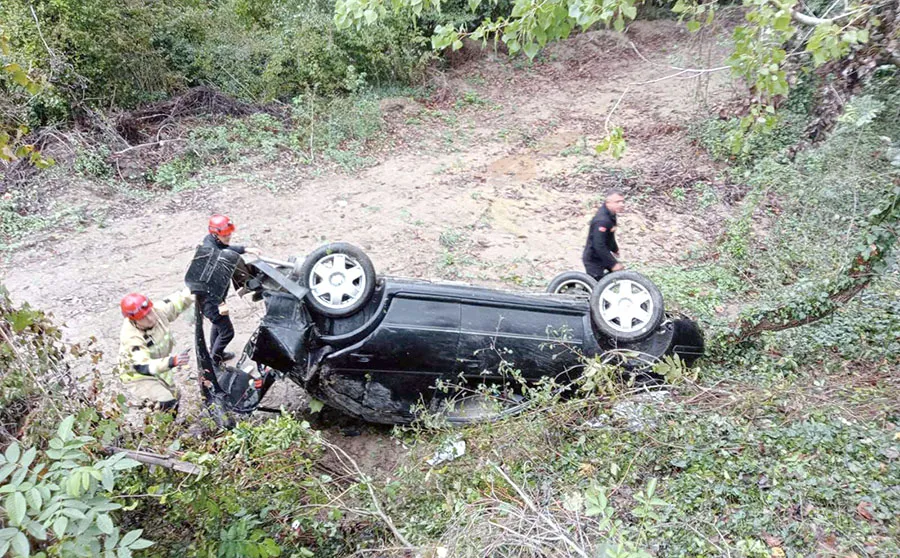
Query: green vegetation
[(65, 499), (785, 442), (317, 129), (785, 446), (85, 58), (759, 45)]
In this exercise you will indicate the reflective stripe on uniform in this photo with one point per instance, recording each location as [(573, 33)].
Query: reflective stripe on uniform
[(145, 353)]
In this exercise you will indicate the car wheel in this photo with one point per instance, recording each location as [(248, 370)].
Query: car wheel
[(626, 306), (340, 278), (572, 283)]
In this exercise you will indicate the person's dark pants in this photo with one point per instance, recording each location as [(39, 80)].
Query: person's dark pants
[(594, 269), (222, 330)]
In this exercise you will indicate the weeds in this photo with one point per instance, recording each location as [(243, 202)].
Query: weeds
[(93, 163), (707, 195), (700, 291), (470, 98), (16, 224), (334, 130), (665, 486), (174, 174), (454, 253)]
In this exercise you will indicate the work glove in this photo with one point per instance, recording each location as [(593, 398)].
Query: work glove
[(247, 295), (180, 359), (188, 297), (223, 309)]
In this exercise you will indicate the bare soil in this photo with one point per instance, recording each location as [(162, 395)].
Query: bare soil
[(495, 185)]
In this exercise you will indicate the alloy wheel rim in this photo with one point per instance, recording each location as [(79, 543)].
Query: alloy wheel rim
[(626, 306), (337, 281)]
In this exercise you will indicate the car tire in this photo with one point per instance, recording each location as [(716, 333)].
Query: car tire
[(328, 269), (626, 306), (573, 283)]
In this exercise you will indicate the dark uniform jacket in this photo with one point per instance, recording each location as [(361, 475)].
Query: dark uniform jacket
[(212, 242), (211, 308), (601, 240)]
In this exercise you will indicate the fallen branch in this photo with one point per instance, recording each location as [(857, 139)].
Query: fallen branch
[(363, 478), (880, 238), (554, 527), (161, 460), (813, 21)]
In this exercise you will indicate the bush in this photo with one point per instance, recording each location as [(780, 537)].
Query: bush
[(93, 163), (107, 53), (61, 502), (719, 137), (31, 363), (262, 490)]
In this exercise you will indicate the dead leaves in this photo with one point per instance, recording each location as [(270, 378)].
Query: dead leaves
[(772, 540), (774, 544), (864, 509)]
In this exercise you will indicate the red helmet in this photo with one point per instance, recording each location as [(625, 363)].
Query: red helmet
[(221, 225), (136, 306)]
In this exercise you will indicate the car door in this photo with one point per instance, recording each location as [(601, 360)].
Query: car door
[(537, 340), (414, 345)]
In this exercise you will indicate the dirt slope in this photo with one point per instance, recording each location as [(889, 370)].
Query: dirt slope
[(496, 190)]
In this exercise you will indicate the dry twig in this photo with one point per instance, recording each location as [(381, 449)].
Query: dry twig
[(361, 477)]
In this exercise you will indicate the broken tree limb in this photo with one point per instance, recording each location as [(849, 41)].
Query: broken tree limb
[(813, 21), (820, 299), (354, 470), (149, 458)]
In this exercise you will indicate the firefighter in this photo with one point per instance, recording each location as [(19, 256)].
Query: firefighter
[(601, 252), (146, 346), (220, 229)]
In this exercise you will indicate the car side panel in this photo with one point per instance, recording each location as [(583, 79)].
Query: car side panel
[(532, 340), (414, 336), (422, 332), (398, 365)]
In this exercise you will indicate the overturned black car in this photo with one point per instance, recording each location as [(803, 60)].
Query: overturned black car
[(379, 348)]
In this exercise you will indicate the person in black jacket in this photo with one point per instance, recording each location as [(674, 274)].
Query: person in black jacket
[(601, 252), (220, 230)]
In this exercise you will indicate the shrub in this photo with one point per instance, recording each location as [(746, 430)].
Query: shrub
[(106, 53), (62, 502)]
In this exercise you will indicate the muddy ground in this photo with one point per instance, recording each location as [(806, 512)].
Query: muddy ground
[(496, 188)]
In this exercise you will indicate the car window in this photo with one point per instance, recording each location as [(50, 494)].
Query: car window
[(522, 322), (439, 314)]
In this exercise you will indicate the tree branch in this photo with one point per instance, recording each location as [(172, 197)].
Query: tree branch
[(812, 21), (855, 277), (361, 478), (772, 321), (149, 458), (554, 527)]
